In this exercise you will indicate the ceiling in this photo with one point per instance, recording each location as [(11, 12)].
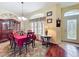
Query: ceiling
[(28, 7)]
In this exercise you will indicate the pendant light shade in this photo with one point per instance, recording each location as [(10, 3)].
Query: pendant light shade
[(22, 18)]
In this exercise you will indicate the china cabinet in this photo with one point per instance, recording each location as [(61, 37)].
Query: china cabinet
[(7, 25)]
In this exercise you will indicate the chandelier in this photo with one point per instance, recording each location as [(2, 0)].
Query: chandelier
[(22, 14)]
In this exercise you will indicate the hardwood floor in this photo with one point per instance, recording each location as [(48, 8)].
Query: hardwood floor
[(68, 50), (72, 50)]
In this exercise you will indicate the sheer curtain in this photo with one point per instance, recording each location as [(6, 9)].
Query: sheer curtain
[(38, 26)]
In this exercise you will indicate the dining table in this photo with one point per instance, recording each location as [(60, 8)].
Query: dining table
[(20, 39)]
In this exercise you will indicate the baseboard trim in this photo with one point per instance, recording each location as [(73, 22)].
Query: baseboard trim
[(69, 42)]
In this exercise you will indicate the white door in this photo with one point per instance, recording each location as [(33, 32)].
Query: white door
[(71, 28)]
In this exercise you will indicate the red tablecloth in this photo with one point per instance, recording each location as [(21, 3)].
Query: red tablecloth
[(20, 39)]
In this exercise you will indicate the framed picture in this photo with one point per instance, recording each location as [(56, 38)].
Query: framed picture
[(58, 22), (49, 13), (49, 20)]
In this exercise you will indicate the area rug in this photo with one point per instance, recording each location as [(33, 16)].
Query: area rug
[(38, 51)]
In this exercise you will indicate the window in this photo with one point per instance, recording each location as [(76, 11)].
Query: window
[(38, 27)]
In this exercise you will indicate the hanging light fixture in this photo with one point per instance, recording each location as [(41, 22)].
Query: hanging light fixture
[(22, 14)]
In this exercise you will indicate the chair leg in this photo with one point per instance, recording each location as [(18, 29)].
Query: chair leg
[(47, 44), (26, 48), (33, 43), (19, 51), (10, 44), (14, 47)]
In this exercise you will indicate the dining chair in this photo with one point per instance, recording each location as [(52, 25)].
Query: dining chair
[(11, 39), (45, 41), (30, 40), (13, 44)]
